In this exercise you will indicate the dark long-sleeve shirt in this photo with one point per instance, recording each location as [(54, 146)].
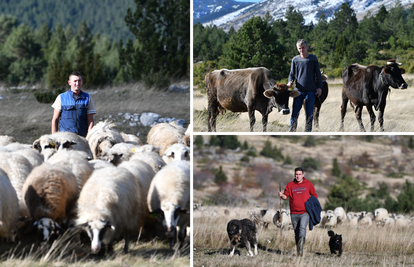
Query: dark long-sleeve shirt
[(306, 73)]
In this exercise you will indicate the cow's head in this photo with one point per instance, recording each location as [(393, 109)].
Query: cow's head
[(169, 214), (97, 231), (393, 75), (279, 98)]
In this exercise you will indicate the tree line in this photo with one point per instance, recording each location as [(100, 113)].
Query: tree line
[(339, 42), (160, 49)]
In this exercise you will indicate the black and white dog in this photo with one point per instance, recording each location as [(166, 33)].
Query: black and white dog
[(335, 243), (246, 231)]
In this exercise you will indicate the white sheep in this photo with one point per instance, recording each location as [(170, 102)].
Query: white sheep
[(352, 219), (380, 214), (340, 215), (9, 208), (17, 169), (120, 152), (364, 219), (401, 221), (76, 161), (149, 154), (169, 198), (388, 221), (329, 220), (102, 137), (110, 206), (285, 219), (99, 164), (5, 140), (132, 139), (187, 135), (34, 157), (50, 193), (47, 153), (164, 135), (176, 152)]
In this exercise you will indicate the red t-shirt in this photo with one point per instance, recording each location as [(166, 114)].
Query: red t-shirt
[(298, 194)]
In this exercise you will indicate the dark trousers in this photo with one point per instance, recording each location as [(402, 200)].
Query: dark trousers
[(309, 97)]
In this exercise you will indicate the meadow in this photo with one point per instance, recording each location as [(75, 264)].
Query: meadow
[(26, 119), (397, 115), (369, 246)]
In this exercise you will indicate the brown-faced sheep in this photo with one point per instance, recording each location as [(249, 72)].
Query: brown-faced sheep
[(50, 193), (102, 137), (164, 135), (9, 208), (169, 198), (110, 207)]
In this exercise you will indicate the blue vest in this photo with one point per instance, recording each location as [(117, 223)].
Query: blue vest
[(73, 116)]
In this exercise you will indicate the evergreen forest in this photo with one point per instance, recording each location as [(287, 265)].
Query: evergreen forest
[(158, 48), (339, 42)]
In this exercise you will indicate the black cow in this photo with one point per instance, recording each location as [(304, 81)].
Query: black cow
[(369, 86), (319, 100), (245, 90)]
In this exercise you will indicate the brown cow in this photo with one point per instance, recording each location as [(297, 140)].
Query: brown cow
[(369, 86), (245, 90)]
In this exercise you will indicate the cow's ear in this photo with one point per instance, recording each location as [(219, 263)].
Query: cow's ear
[(402, 70), (294, 93), (386, 70), (268, 93)]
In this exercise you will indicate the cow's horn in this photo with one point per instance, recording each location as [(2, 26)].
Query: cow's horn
[(392, 62)]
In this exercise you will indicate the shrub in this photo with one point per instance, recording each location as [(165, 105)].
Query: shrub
[(310, 163), (47, 97)]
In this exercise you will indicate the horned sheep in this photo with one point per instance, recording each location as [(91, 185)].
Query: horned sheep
[(9, 208), (50, 193), (169, 198), (110, 206)]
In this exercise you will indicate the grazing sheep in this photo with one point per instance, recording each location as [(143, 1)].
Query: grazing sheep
[(76, 161), (17, 169), (364, 219), (149, 154), (380, 214), (330, 220), (9, 208), (284, 222), (176, 152), (102, 137), (50, 193), (352, 219), (131, 139), (388, 221), (164, 135), (401, 221), (169, 198), (5, 140), (110, 206), (340, 215)]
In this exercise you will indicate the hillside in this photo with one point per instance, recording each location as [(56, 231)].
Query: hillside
[(103, 17), (310, 9), (369, 159)]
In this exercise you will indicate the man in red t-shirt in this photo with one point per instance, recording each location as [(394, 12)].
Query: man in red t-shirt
[(299, 191)]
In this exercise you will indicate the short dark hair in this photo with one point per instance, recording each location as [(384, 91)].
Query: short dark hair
[(299, 169), (75, 73)]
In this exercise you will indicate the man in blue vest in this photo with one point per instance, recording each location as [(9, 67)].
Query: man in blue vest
[(74, 108)]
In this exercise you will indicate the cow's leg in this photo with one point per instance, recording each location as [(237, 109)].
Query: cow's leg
[(372, 116), (358, 113), (381, 116), (250, 110), (212, 113), (264, 120), (343, 110)]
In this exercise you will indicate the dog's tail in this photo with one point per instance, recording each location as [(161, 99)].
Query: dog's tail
[(331, 233)]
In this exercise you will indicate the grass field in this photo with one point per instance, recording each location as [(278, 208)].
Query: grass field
[(26, 119), (370, 246), (397, 115)]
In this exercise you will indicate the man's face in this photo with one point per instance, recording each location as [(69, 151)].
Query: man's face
[(299, 176), (75, 83), (303, 50)]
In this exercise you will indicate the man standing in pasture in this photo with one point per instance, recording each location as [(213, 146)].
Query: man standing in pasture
[(306, 72), (74, 108), (299, 191)]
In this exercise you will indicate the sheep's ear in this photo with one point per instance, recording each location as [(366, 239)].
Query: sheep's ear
[(263, 213), (36, 145)]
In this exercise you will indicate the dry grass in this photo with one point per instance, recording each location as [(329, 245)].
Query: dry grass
[(361, 246), (26, 119), (397, 114)]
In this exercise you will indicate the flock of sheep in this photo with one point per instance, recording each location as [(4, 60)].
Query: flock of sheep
[(109, 184), (338, 216)]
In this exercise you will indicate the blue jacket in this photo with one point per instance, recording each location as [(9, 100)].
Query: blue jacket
[(73, 116), (313, 208)]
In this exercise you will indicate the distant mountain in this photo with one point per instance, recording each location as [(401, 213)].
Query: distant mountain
[(311, 9), (208, 10)]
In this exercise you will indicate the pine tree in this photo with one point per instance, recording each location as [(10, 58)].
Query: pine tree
[(198, 141), (336, 170)]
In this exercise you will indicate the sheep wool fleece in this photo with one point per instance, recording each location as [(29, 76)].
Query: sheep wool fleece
[(298, 194)]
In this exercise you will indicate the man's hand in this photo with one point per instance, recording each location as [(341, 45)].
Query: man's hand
[(289, 84), (318, 92)]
